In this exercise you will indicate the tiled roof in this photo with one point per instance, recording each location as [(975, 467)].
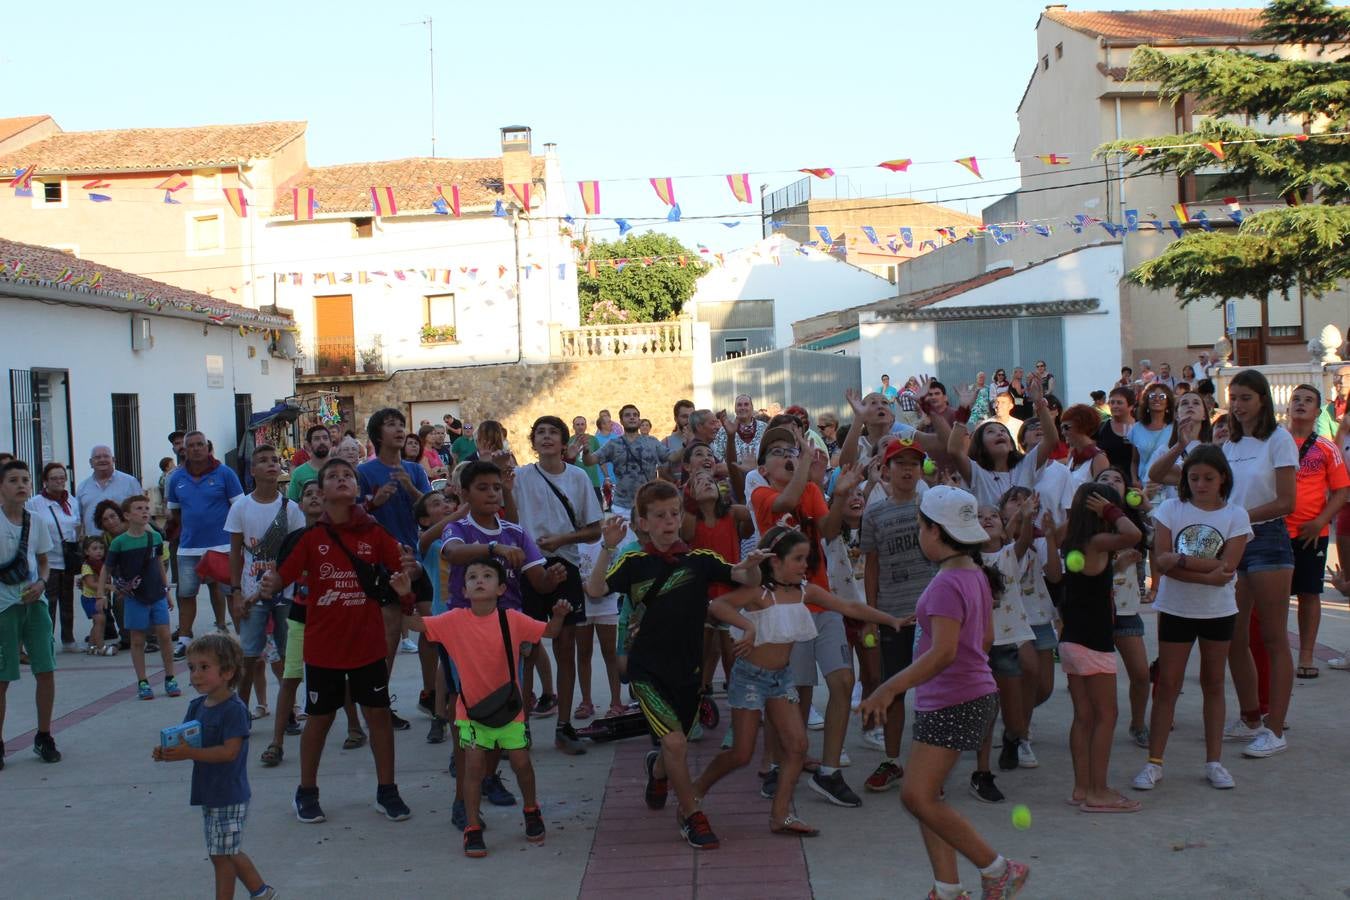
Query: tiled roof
[(11, 127), (153, 149), (996, 311), (1144, 26), (28, 265), (346, 188)]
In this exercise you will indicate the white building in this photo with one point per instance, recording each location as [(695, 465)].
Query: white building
[(98, 356)]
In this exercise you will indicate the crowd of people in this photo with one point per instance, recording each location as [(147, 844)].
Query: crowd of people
[(948, 546)]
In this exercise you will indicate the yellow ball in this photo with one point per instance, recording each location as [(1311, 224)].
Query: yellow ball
[(929, 467), (869, 640), (1075, 561), (1134, 498), (1021, 817)]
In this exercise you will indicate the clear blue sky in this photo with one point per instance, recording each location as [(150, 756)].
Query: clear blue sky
[(626, 90)]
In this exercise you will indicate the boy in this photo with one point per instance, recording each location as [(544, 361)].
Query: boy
[(257, 525), (136, 570), (220, 764), (473, 638), (24, 620), (344, 633), (667, 585)]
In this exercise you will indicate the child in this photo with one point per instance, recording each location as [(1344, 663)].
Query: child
[(220, 764), (989, 461), (434, 512), (602, 624), (668, 587), (475, 639), (955, 697), (93, 550), (1129, 627), (1098, 529), (772, 619), (137, 572), (1198, 540)]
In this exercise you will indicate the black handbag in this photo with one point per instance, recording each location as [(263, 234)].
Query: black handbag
[(16, 570), (500, 707), (71, 556), (374, 577)]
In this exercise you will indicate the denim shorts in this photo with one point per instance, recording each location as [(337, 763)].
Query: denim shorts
[(1004, 661), (1269, 548), (140, 616), (1046, 639), (1129, 626), (253, 628), (752, 687)]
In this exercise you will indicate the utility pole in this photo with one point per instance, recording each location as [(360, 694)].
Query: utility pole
[(431, 61)]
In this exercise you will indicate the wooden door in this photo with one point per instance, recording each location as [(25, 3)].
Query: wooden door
[(334, 336), (1249, 352)]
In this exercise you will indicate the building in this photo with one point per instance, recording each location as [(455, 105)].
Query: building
[(20, 131), (100, 356)]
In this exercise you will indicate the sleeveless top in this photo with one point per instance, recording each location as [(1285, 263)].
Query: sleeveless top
[(723, 539), (780, 623), (1088, 610)]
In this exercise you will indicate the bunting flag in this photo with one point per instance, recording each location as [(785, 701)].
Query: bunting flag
[(971, 163), (665, 189), (1132, 219), (683, 261), (443, 207), (96, 279), (740, 187), (1111, 228), (1042, 230), (238, 202), (1179, 210), (303, 204), (1293, 198), (383, 202), (1139, 150), (172, 184), (590, 197), (1176, 227), (870, 232), (168, 198), (99, 198), (730, 224), (896, 165), (1215, 147), (499, 209), (824, 234), (928, 244), (674, 214), (624, 227), (1234, 209), (1203, 220), (907, 237), (819, 173), (891, 246), (702, 248), (23, 178), (1054, 159), (522, 194), (96, 185), (591, 268)]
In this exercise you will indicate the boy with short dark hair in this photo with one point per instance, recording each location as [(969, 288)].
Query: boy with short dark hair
[(136, 571)]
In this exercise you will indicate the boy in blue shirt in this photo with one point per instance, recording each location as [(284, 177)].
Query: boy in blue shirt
[(220, 764)]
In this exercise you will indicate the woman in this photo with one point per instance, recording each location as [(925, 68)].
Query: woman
[(412, 448), (350, 450), (1017, 390), (1154, 413), (59, 513), (1000, 385), (431, 456), (1078, 428), (1188, 374), (1114, 435), (1264, 460), (980, 408)]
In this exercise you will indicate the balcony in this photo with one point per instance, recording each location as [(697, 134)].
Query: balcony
[(338, 357), (639, 340)]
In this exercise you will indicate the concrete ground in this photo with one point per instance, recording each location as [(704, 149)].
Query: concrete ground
[(1279, 834)]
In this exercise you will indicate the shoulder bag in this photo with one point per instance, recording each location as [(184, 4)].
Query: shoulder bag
[(16, 570), (374, 577), (500, 707)]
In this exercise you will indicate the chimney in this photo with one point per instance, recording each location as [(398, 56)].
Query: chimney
[(517, 167)]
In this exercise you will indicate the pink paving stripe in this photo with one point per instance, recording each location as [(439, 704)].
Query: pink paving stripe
[(82, 713)]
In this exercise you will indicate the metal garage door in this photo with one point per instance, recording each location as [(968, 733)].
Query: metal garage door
[(983, 345)]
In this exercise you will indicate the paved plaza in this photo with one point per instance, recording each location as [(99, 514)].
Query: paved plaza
[(109, 822)]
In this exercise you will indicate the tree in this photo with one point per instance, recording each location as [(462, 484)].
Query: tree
[(1275, 249), (642, 278)]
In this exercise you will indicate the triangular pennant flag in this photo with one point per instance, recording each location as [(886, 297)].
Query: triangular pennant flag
[(674, 214), (591, 268), (896, 165), (238, 202), (590, 197), (824, 234), (499, 209), (1132, 220), (1203, 219), (383, 202), (172, 184), (1176, 227), (683, 261), (96, 185), (303, 204), (1179, 210), (665, 189), (730, 224), (522, 194), (819, 173), (624, 227), (501, 271), (702, 248), (1234, 209), (870, 232), (1042, 230), (1215, 147), (447, 205), (721, 260), (740, 187), (168, 198), (971, 163), (1054, 159), (907, 237), (23, 178), (99, 198)]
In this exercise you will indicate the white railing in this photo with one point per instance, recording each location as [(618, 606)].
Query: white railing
[(642, 340), (1283, 378)]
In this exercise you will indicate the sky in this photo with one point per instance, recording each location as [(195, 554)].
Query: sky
[(627, 91)]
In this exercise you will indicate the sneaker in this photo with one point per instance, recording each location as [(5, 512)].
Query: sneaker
[(856, 700), (496, 793), (266, 892), (293, 726), (833, 789), (109, 649), (728, 739), (1218, 776), (1140, 736), (696, 733), (1340, 662), (398, 722), (1241, 731), (307, 807), (171, 687), (143, 691), (427, 703), (874, 739), (534, 826), (179, 651), (459, 818), (407, 645), (844, 759), (657, 788), (566, 740), (222, 628), (1026, 758), (982, 787), (1007, 885), (436, 733), (45, 747), (933, 895), (1265, 744), (1008, 756), (699, 833), (69, 647), (814, 720), (547, 705), (884, 777), (1148, 777), (768, 786), (391, 804), (474, 847)]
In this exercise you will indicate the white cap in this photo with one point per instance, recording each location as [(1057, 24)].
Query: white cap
[(956, 512)]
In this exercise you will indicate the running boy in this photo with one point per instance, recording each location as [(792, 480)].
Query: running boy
[(136, 571)]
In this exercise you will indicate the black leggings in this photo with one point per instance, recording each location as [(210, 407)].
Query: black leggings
[(61, 602)]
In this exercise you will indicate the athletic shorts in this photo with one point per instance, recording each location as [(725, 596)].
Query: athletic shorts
[(1269, 548), (26, 626), (90, 606), (295, 650), (1129, 626), (224, 826), (897, 649), (1310, 567), (138, 616), (1004, 661), (327, 688), (476, 735), (1079, 660), (1046, 639), (752, 686), (961, 727), (667, 709), (828, 650), (1183, 630), (540, 606)]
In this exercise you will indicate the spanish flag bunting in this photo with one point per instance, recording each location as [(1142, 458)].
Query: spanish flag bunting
[(740, 187), (591, 268), (971, 163), (1054, 159), (501, 271), (522, 194), (1296, 137), (96, 279), (383, 202), (442, 204), (682, 261), (819, 173), (96, 185), (665, 189), (238, 202), (1179, 210), (590, 197), (172, 184), (302, 204), (1215, 147), (896, 165), (1139, 149), (23, 178)]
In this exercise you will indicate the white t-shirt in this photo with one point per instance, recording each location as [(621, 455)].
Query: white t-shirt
[(39, 541), (1202, 534), (1036, 600), (1254, 463), (253, 519), (1125, 590), (988, 487), (542, 514), (62, 526), (1055, 484), (839, 568), (1010, 617)]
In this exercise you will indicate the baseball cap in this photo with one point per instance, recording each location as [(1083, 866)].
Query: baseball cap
[(956, 512), (776, 435), (902, 445)]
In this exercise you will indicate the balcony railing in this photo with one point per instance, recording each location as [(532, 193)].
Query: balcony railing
[(336, 356), (641, 340)]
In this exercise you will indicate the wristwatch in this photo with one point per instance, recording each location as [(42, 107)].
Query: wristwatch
[(492, 548)]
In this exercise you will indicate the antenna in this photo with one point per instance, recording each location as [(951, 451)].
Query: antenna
[(431, 61)]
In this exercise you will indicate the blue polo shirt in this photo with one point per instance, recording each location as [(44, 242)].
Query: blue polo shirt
[(396, 515), (203, 504)]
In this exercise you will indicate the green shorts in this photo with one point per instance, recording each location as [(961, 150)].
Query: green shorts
[(27, 626), (295, 650), (511, 736)]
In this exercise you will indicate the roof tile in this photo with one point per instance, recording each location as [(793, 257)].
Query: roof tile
[(346, 188), (1162, 25), (152, 149), (12, 126)]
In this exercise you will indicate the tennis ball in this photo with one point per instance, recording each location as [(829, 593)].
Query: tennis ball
[(929, 467), (869, 640), (1075, 561), (1133, 497), (1021, 817)]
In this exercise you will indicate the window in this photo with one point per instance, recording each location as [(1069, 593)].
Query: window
[(206, 232), (126, 420), (1209, 189), (51, 192), (363, 227), (734, 347), (439, 310), (1045, 63), (1059, 51), (243, 411), (184, 412)]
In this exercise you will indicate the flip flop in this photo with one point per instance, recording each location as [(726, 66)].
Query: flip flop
[(1122, 805), (793, 827), (354, 740), (1307, 672), (1073, 802), (260, 712)]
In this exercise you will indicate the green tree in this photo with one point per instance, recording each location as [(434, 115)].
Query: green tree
[(1278, 248), (637, 279)]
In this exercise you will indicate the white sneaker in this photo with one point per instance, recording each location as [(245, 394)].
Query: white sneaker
[(843, 759), (1218, 776), (407, 645), (1241, 731), (1026, 759), (1265, 744), (1148, 777), (814, 720), (856, 701), (1340, 662), (874, 739)]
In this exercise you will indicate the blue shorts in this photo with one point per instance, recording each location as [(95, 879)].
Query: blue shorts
[(253, 629), (189, 582), (138, 616), (752, 687), (224, 827), (90, 605), (1046, 639), (1269, 549), (1004, 661), (1129, 626)]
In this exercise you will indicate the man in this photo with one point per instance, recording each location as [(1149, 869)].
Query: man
[(199, 493), (636, 459), (887, 390), (556, 506), (675, 441), (105, 483), (1047, 378), (1202, 365), (318, 444), (176, 441), (464, 447), (1165, 377), (440, 442), (25, 623), (579, 444), (747, 429)]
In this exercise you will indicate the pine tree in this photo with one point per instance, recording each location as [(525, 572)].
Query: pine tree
[(1272, 251)]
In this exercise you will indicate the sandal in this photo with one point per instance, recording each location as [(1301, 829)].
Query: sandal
[(617, 709), (272, 755), (585, 710), (1307, 672), (260, 712), (811, 765), (1119, 805), (793, 827), (354, 740)]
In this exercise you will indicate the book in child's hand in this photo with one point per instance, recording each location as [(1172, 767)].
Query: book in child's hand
[(189, 733)]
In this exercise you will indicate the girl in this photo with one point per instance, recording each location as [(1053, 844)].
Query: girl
[(773, 616), (1114, 435), (1054, 482), (991, 462), (94, 550), (1163, 468), (1264, 460), (1126, 595), (1198, 541), (1078, 428), (955, 695), (1154, 413), (1098, 529)]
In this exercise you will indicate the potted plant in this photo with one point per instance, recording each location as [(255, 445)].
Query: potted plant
[(438, 334), (370, 360)]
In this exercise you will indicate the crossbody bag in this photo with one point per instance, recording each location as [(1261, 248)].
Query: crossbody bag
[(16, 570), (500, 707), (374, 577), (71, 556)]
